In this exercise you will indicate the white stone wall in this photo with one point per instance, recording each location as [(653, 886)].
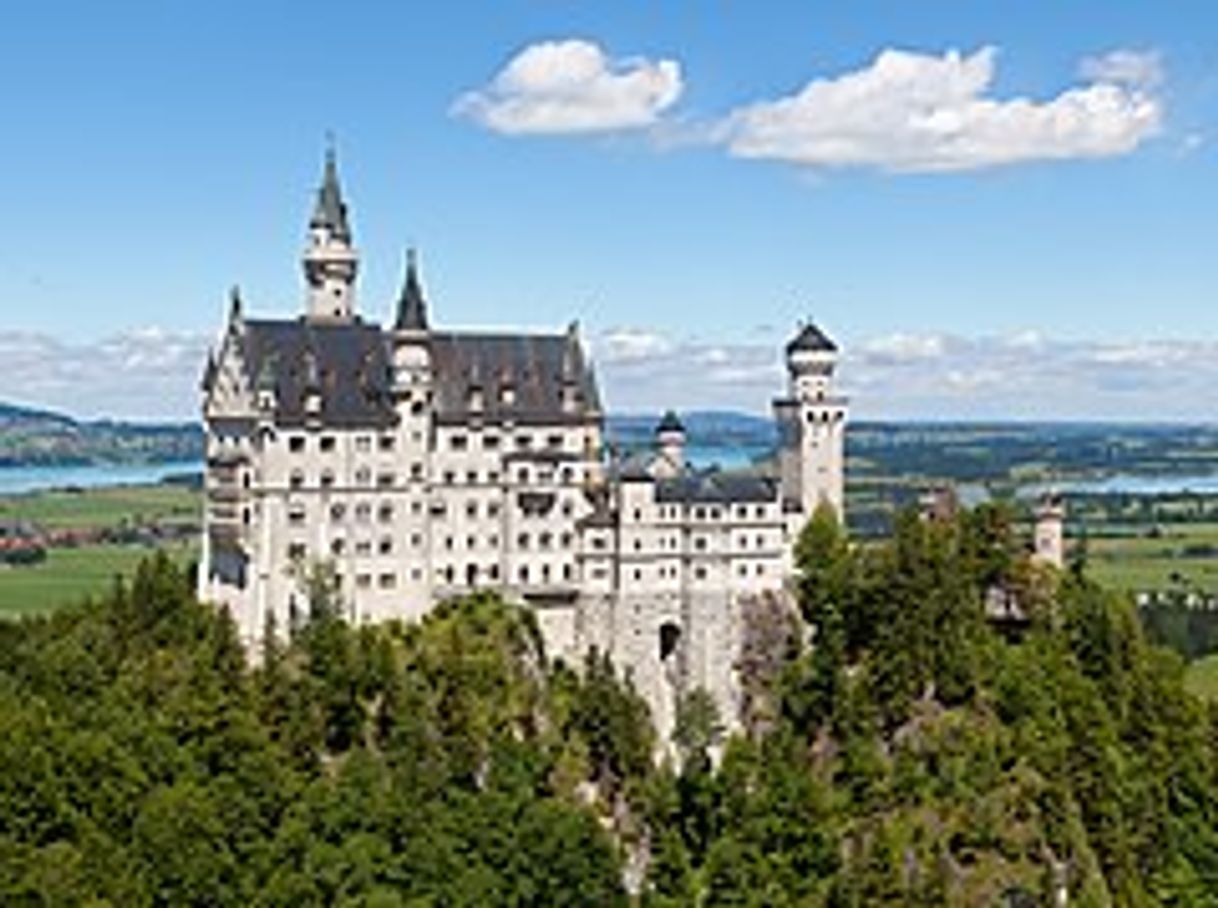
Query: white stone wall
[(423, 509)]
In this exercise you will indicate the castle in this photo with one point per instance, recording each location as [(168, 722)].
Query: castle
[(423, 464)]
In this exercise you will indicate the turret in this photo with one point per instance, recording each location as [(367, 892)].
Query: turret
[(411, 354), (330, 261), (571, 371), (812, 423), (811, 360), (1048, 545), (670, 445), (412, 307)]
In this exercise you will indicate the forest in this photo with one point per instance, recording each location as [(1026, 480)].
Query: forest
[(895, 748)]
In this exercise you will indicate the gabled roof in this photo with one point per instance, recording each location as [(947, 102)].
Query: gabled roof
[(346, 363), (716, 487), (812, 338), (539, 370)]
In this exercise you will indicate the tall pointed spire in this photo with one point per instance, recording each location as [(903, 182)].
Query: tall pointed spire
[(412, 307), (330, 262), (236, 317), (330, 211)]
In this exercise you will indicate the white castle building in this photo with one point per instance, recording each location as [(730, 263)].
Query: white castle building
[(423, 464)]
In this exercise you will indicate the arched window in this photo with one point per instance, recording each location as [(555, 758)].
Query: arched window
[(670, 640)]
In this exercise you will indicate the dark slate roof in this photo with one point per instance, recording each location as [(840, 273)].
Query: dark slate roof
[(669, 423), (712, 486), (412, 307), (536, 366), (811, 337), (346, 364), (330, 210)]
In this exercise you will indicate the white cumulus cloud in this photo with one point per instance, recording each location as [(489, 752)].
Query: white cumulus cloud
[(144, 374), (625, 345), (904, 348), (573, 86), (1028, 375), (920, 112), (1140, 69)]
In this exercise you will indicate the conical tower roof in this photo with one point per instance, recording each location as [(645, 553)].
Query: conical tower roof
[(812, 338), (330, 211), (412, 307)]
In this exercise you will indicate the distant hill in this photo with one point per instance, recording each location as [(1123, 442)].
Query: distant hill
[(36, 437), (703, 428)]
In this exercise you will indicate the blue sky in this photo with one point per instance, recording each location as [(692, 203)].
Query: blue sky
[(1044, 257)]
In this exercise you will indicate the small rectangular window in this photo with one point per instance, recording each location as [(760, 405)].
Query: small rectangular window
[(327, 443), (458, 442), (296, 444)]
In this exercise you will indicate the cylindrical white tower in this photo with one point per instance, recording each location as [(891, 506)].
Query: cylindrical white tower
[(670, 444), (1049, 546), (813, 424)]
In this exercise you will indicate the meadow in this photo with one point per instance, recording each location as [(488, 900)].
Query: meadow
[(1201, 678), (1181, 556), (70, 575), (112, 506)]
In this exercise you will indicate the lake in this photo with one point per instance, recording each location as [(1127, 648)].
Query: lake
[(15, 480), (1128, 484)]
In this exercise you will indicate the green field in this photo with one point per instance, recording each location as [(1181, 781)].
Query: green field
[(69, 575), (1160, 563), (95, 508), (1202, 678)]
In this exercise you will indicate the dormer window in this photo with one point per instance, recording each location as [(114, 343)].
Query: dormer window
[(507, 395)]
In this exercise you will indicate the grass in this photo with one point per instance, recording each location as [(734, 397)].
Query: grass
[(103, 507), (1202, 678), (70, 575), (1138, 562)]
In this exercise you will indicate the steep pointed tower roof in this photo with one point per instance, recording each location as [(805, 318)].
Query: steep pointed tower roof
[(330, 211), (412, 307), (669, 422), (810, 337)]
